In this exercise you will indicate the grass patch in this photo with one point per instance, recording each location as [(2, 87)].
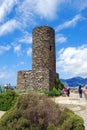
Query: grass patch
[(18, 91)]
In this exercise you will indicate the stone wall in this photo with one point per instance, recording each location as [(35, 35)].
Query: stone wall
[(33, 80)]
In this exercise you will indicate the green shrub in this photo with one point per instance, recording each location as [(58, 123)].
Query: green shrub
[(33, 112), (18, 91), (2, 89), (59, 84), (37, 112), (70, 121), (7, 100), (51, 127), (54, 92)]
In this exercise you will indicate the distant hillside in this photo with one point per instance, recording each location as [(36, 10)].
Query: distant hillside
[(75, 81)]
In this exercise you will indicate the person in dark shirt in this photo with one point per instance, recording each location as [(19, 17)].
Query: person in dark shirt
[(80, 91)]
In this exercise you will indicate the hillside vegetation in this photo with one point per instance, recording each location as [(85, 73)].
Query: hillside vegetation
[(7, 99), (38, 112)]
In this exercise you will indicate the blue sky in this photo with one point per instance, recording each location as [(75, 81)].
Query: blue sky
[(17, 20)]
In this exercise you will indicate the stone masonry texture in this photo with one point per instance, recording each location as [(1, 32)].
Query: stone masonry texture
[(43, 73)]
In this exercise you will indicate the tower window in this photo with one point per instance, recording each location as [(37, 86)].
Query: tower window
[(50, 48)]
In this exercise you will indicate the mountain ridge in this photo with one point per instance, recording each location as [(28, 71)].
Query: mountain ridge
[(74, 81)]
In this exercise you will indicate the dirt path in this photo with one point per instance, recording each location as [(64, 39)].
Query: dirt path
[(78, 105), (1, 113)]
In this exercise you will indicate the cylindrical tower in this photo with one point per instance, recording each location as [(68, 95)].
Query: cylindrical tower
[(44, 49), (43, 74)]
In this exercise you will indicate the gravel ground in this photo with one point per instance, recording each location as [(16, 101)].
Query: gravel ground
[(78, 105)]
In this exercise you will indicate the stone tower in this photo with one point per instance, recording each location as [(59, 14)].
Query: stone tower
[(43, 73)]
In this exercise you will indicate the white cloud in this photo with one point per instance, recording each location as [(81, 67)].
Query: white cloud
[(29, 10), (27, 38), (7, 76), (29, 51), (73, 61), (17, 48), (47, 9), (25, 13), (5, 8), (70, 23), (8, 27), (20, 63), (82, 5), (60, 38), (4, 48), (2, 75), (3, 72), (78, 4)]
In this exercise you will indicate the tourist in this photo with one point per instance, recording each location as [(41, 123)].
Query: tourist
[(63, 92), (80, 91), (68, 92)]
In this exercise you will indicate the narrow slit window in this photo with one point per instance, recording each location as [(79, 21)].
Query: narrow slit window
[(50, 48)]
